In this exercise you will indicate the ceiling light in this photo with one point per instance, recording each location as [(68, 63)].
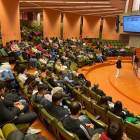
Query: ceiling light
[(102, 6), (54, 1), (74, 2), (65, 7), (82, 6)]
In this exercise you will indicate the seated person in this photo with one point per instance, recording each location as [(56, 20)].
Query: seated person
[(39, 48), (65, 76), (26, 43), (32, 54), (65, 59), (39, 97), (23, 75), (53, 82), (87, 60), (114, 132), (34, 50), (27, 57), (15, 48), (22, 44), (99, 56), (7, 114), (54, 108), (59, 67), (80, 126), (99, 91), (118, 110), (109, 46), (29, 81), (45, 61), (91, 57), (33, 87), (122, 50), (103, 102), (78, 75), (115, 51), (71, 55)]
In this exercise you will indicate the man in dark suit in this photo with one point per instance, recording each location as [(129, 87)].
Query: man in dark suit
[(99, 91)]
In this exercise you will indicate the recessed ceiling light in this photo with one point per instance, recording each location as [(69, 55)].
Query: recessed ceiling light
[(74, 2)]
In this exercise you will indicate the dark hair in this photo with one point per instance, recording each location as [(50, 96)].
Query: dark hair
[(44, 69), (117, 108), (29, 80), (26, 48), (42, 87), (75, 107), (42, 138), (21, 68), (49, 74), (11, 41), (2, 84), (88, 83), (115, 131), (17, 65), (7, 43), (57, 96), (103, 102), (31, 86)]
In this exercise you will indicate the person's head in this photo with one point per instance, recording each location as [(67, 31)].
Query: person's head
[(49, 74), (64, 54), (42, 56), (88, 83), (75, 108), (119, 58), (70, 51), (2, 87), (7, 43), (64, 72), (42, 88), (11, 42), (76, 69), (58, 63), (115, 131), (103, 101), (26, 49), (44, 69), (96, 85), (55, 89), (15, 41), (33, 86), (22, 69), (117, 107), (57, 97), (22, 41), (25, 40), (90, 53), (29, 80)]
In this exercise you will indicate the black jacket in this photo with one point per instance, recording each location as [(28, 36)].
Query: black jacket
[(56, 111), (121, 114), (41, 100), (98, 91), (76, 127), (11, 98), (118, 64), (7, 114), (26, 56), (52, 82)]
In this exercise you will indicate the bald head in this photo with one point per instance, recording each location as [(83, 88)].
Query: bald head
[(96, 85), (75, 107)]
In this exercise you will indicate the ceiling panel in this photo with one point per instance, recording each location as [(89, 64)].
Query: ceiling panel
[(95, 7)]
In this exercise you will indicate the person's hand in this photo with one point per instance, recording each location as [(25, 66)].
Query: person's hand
[(31, 58), (2, 97), (89, 125), (0, 76), (20, 107), (17, 104), (124, 137)]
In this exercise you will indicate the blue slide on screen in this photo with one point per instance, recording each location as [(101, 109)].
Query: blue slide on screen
[(131, 24)]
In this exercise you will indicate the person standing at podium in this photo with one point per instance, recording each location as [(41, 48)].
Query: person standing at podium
[(119, 66)]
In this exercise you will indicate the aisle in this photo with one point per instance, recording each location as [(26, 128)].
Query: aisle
[(102, 76)]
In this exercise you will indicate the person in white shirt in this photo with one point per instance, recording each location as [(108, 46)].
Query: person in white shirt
[(26, 43), (50, 40), (15, 43), (66, 58), (35, 50), (122, 50), (99, 56), (45, 61)]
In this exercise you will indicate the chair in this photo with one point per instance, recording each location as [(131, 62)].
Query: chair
[(97, 110), (98, 97), (26, 95), (77, 95), (86, 91), (132, 130), (63, 134), (110, 117), (93, 95), (49, 121), (87, 103), (6, 130)]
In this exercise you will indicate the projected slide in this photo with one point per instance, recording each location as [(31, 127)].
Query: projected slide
[(131, 24)]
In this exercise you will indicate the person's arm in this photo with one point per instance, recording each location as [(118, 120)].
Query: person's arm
[(24, 55), (67, 79), (43, 61), (7, 114)]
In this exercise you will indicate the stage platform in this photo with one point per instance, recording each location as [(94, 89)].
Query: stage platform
[(126, 88)]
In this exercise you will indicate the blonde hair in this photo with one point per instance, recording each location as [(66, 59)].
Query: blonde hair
[(119, 58)]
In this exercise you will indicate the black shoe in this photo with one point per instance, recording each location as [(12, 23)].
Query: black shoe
[(9, 80)]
